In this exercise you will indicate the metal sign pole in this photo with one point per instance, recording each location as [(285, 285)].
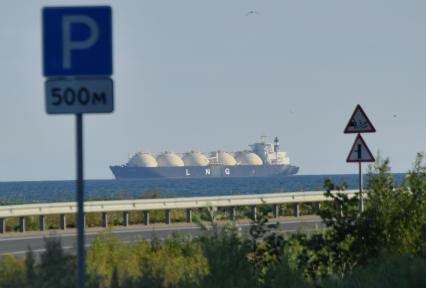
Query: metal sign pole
[(80, 201), (361, 199), (359, 123), (78, 83)]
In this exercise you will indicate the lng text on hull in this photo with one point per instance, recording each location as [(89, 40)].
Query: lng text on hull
[(262, 160)]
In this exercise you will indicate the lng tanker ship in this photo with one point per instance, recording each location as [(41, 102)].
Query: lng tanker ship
[(263, 160)]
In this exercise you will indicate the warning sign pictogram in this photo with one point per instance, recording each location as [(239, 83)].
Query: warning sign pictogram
[(359, 122), (360, 152)]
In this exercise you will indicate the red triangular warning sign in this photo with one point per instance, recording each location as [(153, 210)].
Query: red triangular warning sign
[(359, 122), (360, 152)]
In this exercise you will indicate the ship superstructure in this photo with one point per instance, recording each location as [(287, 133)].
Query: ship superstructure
[(270, 153), (264, 159)]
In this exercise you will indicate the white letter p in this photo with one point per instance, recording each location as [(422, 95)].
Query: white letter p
[(68, 45)]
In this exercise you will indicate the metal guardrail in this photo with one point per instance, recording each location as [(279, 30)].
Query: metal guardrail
[(8, 211)]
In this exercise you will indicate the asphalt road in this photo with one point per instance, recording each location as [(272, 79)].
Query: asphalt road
[(19, 243)]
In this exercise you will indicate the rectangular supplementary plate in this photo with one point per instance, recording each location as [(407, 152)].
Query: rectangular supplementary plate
[(77, 96)]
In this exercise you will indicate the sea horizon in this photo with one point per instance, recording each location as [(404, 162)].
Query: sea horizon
[(109, 189)]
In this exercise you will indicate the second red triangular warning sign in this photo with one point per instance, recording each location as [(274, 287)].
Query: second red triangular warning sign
[(359, 122), (360, 152)]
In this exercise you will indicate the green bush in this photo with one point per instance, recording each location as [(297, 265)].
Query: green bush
[(404, 271), (383, 246), (12, 272), (56, 268)]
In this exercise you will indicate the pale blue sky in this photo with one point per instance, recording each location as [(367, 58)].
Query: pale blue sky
[(202, 75)]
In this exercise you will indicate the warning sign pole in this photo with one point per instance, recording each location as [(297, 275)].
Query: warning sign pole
[(361, 199), (360, 153), (359, 123)]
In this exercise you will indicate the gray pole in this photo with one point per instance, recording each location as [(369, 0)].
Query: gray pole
[(80, 201), (361, 199)]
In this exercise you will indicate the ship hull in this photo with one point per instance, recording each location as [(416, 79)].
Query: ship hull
[(210, 171)]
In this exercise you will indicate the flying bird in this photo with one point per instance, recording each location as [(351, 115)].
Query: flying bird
[(252, 12)]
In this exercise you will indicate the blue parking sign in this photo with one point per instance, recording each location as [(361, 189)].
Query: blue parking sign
[(77, 41)]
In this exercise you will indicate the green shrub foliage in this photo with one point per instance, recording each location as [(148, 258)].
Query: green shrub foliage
[(382, 246)]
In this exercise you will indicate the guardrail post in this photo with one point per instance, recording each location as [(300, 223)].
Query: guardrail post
[(104, 219), (22, 224), (254, 213), (2, 225), (168, 216), (276, 210), (63, 221), (188, 215), (146, 217), (233, 212), (297, 210), (42, 222), (126, 218)]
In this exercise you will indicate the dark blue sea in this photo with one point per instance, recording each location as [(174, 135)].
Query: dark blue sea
[(57, 191)]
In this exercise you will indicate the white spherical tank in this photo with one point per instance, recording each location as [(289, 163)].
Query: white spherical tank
[(248, 158), (169, 159), (195, 159), (141, 159), (226, 158)]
